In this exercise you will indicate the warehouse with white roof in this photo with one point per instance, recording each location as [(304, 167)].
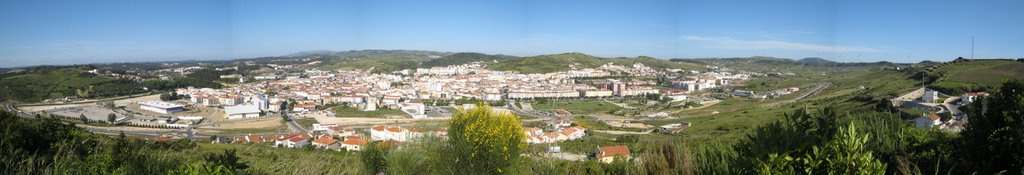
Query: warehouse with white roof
[(242, 111), (161, 107)]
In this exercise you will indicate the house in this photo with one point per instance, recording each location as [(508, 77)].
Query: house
[(383, 132), (607, 154), (530, 131), (254, 139), (970, 97), (927, 121), (353, 144), (325, 142), (305, 107), (534, 139), (574, 133), (296, 140), (561, 123), (930, 96), (338, 131), (553, 137)]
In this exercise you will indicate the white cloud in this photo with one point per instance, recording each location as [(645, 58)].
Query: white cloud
[(736, 44)]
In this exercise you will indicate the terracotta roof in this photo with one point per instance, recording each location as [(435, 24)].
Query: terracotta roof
[(611, 151), (378, 127), (395, 129), (552, 135), (934, 116), (162, 139), (299, 138), (325, 140), (254, 138), (354, 142), (293, 137), (355, 137)]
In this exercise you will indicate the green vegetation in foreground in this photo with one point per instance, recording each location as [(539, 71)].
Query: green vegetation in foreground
[(42, 83), (345, 111), (963, 75)]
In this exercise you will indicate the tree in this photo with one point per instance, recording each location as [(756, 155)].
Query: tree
[(481, 141), (228, 160), (83, 118), (373, 157), (111, 118), (993, 139)]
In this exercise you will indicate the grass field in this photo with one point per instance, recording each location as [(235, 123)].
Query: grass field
[(345, 111), (578, 107), (306, 122), (732, 118), (973, 75)]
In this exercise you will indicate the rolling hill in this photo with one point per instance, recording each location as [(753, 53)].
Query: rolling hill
[(463, 58), (57, 82), (567, 61), (961, 76)]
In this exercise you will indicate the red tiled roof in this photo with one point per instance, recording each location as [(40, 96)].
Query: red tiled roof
[(325, 140), (255, 139), (394, 129), (934, 116), (354, 142), (379, 127), (611, 151), (162, 139)]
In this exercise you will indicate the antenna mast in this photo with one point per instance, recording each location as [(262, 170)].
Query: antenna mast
[(972, 47)]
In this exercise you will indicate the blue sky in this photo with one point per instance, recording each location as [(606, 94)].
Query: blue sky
[(75, 32)]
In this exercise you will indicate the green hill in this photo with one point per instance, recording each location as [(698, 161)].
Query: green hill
[(565, 62), (379, 60), (961, 76), (57, 82), (463, 58)]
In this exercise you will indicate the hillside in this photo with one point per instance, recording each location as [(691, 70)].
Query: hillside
[(815, 60), (379, 60), (463, 58), (961, 76), (42, 83), (567, 61)]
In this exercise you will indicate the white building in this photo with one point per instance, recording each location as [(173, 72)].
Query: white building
[(242, 111), (930, 96), (161, 107)]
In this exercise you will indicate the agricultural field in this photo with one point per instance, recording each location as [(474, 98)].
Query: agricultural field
[(345, 111), (589, 106), (976, 75)]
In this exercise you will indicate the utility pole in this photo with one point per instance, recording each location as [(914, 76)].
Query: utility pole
[(972, 47)]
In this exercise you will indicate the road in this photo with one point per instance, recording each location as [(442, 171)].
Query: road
[(950, 105), (816, 89), (295, 126)]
